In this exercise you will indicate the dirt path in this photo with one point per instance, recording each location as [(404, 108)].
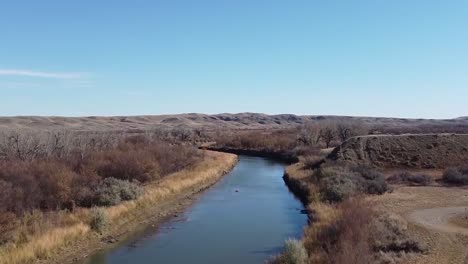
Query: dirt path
[(435, 216), (440, 218)]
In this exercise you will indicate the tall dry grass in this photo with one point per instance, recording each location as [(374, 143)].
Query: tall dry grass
[(48, 242)]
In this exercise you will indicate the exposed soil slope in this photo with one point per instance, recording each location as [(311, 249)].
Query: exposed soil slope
[(405, 151)]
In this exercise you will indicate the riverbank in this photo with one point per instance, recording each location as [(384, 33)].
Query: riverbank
[(220, 223), (161, 200), (274, 155)]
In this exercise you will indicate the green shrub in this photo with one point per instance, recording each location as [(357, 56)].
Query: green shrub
[(98, 220), (113, 191), (458, 176)]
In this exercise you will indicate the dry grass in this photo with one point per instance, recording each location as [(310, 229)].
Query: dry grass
[(48, 242), (43, 246)]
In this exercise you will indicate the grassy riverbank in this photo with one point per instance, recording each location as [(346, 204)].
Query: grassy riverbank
[(345, 225), (73, 237)]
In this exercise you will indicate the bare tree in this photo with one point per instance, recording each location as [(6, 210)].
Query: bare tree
[(346, 130), (309, 135), (328, 134)]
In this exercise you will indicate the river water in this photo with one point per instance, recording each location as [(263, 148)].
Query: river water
[(244, 218)]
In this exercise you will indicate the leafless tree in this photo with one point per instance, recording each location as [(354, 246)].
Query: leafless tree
[(309, 135), (346, 130), (328, 134)]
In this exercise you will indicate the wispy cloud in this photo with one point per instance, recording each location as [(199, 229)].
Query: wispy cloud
[(40, 74)]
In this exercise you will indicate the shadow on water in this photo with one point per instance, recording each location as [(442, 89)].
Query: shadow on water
[(244, 218)]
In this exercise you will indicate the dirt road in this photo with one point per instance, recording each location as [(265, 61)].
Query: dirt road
[(440, 218)]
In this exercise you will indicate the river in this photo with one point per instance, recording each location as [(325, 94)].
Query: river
[(244, 218)]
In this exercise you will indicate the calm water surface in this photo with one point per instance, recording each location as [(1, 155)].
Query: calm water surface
[(244, 218)]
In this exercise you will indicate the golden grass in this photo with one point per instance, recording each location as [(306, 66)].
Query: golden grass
[(302, 182), (50, 241), (43, 246), (323, 216)]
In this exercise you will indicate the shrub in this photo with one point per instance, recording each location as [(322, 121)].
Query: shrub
[(125, 165), (369, 180), (338, 181), (408, 178), (294, 253), (68, 171), (341, 234), (98, 220), (312, 162), (455, 176), (8, 223), (390, 235), (112, 191), (350, 242), (337, 188)]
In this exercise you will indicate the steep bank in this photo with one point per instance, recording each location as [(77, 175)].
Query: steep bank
[(161, 199), (430, 151)]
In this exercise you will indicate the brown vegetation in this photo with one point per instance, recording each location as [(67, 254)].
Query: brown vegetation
[(430, 151), (42, 234), (229, 121), (37, 173), (288, 144), (344, 227), (456, 176), (404, 177)]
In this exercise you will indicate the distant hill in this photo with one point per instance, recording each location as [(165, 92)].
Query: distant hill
[(226, 121)]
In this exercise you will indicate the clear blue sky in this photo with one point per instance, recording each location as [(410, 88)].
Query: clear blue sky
[(404, 58)]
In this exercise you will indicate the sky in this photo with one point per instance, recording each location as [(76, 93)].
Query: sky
[(394, 58)]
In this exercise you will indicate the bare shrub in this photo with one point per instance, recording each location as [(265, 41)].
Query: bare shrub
[(457, 176), (340, 234), (57, 171), (36, 184), (312, 162), (8, 223), (125, 165), (390, 237), (352, 234), (405, 177)]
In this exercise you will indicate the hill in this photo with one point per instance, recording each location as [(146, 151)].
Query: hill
[(227, 121)]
